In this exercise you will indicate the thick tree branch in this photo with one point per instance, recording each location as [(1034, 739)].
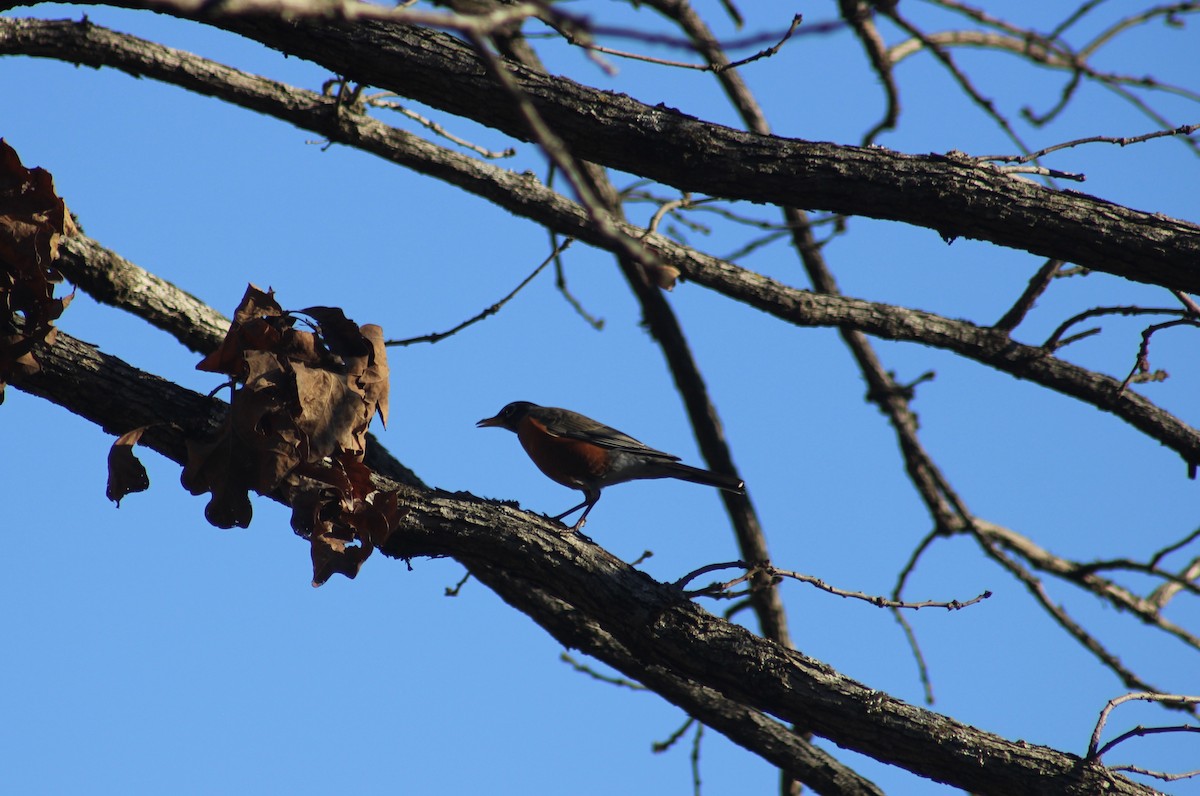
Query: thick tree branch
[(652, 621), (89, 44), (954, 196)]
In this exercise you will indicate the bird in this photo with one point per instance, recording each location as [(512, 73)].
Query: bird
[(587, 455)]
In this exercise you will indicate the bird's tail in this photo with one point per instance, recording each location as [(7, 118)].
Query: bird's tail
[(698, 476)]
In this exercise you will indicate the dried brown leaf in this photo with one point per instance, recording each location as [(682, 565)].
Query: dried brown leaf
[(333, 415), (341, 335), (376, 377), (126, 474), (664, 276), (219, 466), (332, 556), (33, 221)]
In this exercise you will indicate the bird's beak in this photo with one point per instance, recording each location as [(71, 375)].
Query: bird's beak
[(488, 422)]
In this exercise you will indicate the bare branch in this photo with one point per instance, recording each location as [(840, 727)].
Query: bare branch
[(435, 337), (1176, 700)]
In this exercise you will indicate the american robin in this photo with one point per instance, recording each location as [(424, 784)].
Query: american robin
[(578, 452)]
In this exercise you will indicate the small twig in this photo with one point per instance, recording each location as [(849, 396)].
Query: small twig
[(767, 53), (914, 645), (658, 747), (689, 577), (1192, 307), (1043, 171), (1173, 547), (682, 203), (589, 45), (1142, 365), (1021, 307), (382, 101), (645, 554), (754, 245), (1053, 342), (909, 632), (733, 13), (452, 591), (720, 590), (583, 668), (695, 758), (435, 337), (1059, 614), (1080, 571), (1094, 750), (1146, 772), (882, 602), (560, 283), (1184, 130)]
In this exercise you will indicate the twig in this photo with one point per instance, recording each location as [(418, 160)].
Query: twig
[(1174, 546), (658, 747), (1142, 365), (909, 632), (1021, 307), (858, 16), (590, 45), (560, 283), (583, 668), (381, 101), (1094, 750), (719, 589), (1146, 772), (694, 757), (1192, 307), (435, 337), (452, 591), (1183, 130), (1053, 342), (768, 52), (881, 602), (1043, 171), (1064, 620)]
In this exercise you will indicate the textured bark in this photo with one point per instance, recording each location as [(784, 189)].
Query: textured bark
[(653, 623)]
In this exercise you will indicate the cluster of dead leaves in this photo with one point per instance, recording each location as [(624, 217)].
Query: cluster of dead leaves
[(33, 221), (300, 407)]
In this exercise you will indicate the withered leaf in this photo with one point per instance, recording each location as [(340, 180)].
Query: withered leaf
[(332, 414), (386, 504), (126, 474), (664, 276), (376, 377), (259, 324), (313, 510), (332, 556), (33, 221), (219, 467), (256, 303), (341, 334)]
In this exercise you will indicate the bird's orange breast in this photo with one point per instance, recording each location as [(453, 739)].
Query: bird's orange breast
[(571, 462)]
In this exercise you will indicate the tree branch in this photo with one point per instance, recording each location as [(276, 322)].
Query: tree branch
[(650, 620), (956, 197)]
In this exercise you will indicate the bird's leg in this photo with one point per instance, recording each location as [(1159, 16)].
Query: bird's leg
[(583, 516), (590, 500)]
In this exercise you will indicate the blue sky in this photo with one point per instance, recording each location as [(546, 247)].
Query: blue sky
[(147, 651)]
